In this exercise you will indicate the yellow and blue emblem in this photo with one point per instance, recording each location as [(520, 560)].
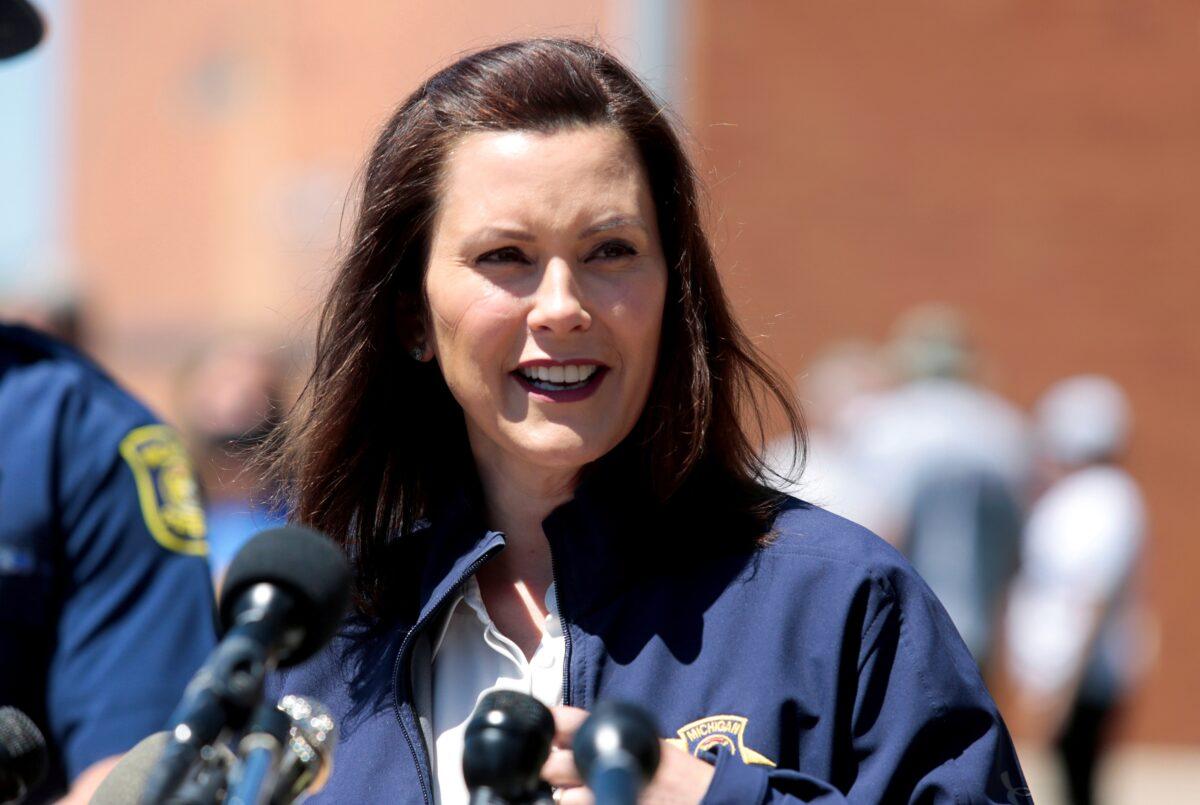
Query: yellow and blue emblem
[(720, 733), (167, 488)]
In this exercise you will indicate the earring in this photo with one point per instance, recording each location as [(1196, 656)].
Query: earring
[(417, 352)]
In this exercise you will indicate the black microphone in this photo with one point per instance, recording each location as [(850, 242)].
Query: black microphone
[(127, 781), (505, 745), (21, 28), (23, 758), (284, 595), (617, 752)]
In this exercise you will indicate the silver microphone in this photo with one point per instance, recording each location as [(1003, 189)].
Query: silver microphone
[(307, 758)]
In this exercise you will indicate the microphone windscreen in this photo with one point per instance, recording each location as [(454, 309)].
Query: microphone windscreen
[(21, 28), (506, 741), (127, 781), (23, 757), (617, 727), (305, 563)]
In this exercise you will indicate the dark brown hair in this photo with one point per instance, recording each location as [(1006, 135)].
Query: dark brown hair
[(377, 435)]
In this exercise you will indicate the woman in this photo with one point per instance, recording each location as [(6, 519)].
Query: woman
[(524, 426)]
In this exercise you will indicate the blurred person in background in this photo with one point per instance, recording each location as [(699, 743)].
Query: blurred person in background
[(951, 462), (56, 314), (1072, 627), (229, 399), (838, 382), (105, 597)]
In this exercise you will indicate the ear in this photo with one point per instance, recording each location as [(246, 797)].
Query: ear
[(413, 332)]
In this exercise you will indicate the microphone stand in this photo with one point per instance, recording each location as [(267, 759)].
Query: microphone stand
[(206, 783), (255, 776)]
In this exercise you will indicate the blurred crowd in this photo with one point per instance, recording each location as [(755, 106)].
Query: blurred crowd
[(1025, 524)]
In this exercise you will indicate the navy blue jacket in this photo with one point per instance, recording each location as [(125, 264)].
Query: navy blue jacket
[(819, 668), (105, 596)]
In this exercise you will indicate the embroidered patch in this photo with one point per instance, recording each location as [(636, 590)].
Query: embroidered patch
[(718, 732), (167, 489)]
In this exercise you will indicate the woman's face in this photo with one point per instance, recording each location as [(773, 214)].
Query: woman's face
[(545, 290)]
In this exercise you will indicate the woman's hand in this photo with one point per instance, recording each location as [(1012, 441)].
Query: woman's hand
[(680, 780)]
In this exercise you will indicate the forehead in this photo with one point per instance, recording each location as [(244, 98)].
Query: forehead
[(537, 178)]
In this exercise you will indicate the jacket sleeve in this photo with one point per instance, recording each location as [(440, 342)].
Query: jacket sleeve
[(137, 611), (923, 727)]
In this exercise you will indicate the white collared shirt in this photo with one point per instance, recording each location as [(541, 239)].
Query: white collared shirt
[(472, 658)]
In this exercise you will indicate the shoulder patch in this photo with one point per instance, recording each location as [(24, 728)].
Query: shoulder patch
[(167, 488), (719, 732)]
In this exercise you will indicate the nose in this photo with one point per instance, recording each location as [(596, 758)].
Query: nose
[(558, 305)]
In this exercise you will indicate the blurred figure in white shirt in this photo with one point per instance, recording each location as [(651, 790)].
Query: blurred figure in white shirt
[(833, 389), (951, 464), (1072, 634)]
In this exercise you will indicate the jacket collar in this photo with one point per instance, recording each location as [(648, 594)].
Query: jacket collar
[(597, 542)]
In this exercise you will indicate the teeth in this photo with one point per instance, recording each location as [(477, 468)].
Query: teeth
[(562, 375)]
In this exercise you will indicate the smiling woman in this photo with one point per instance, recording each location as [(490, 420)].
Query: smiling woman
[(534, 426), (544, 293)]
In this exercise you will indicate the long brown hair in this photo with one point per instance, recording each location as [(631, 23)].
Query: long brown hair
[(377, 435)]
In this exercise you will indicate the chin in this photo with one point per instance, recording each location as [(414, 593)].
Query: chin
[(566, 450)]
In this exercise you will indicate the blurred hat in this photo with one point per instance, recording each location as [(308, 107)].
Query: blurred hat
[(21, 27), (1082, 419), (932, 341)]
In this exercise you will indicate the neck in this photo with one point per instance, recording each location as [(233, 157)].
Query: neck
[(517, 498)]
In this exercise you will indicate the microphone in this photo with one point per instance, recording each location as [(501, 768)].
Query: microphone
[(307, 759), (21, 28), (287, 755), (505, 744), (127, 781), (283, 598), (258, 754), (23, 757), (617, 752)]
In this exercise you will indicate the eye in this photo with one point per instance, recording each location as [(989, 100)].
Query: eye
[(613, 250), (507, 254)]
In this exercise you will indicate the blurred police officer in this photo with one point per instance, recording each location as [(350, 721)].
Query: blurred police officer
[(105, 598)]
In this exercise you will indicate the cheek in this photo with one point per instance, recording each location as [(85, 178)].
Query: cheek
[(469, 316), (638, 316)]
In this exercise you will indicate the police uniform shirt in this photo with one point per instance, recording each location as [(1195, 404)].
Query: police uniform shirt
[(105, 598)]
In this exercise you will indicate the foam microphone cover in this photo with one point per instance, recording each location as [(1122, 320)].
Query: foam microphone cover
[(505, 744), (21, 28), (304, 563), (617, 727), (23, 758), (127, 781)]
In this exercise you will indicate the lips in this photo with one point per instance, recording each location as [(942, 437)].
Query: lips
[(561, 382)]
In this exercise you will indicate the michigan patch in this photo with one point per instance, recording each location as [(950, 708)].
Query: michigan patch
[(719, 733), (167, 489)]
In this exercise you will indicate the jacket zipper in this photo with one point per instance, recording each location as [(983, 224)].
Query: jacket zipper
[(404, 646), (565, 625)]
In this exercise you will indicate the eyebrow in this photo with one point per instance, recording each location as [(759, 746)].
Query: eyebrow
[(616, 222), (504, 233)]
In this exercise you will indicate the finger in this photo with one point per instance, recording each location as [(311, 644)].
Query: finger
[(567, 721), (577, 796), (559, 769)]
